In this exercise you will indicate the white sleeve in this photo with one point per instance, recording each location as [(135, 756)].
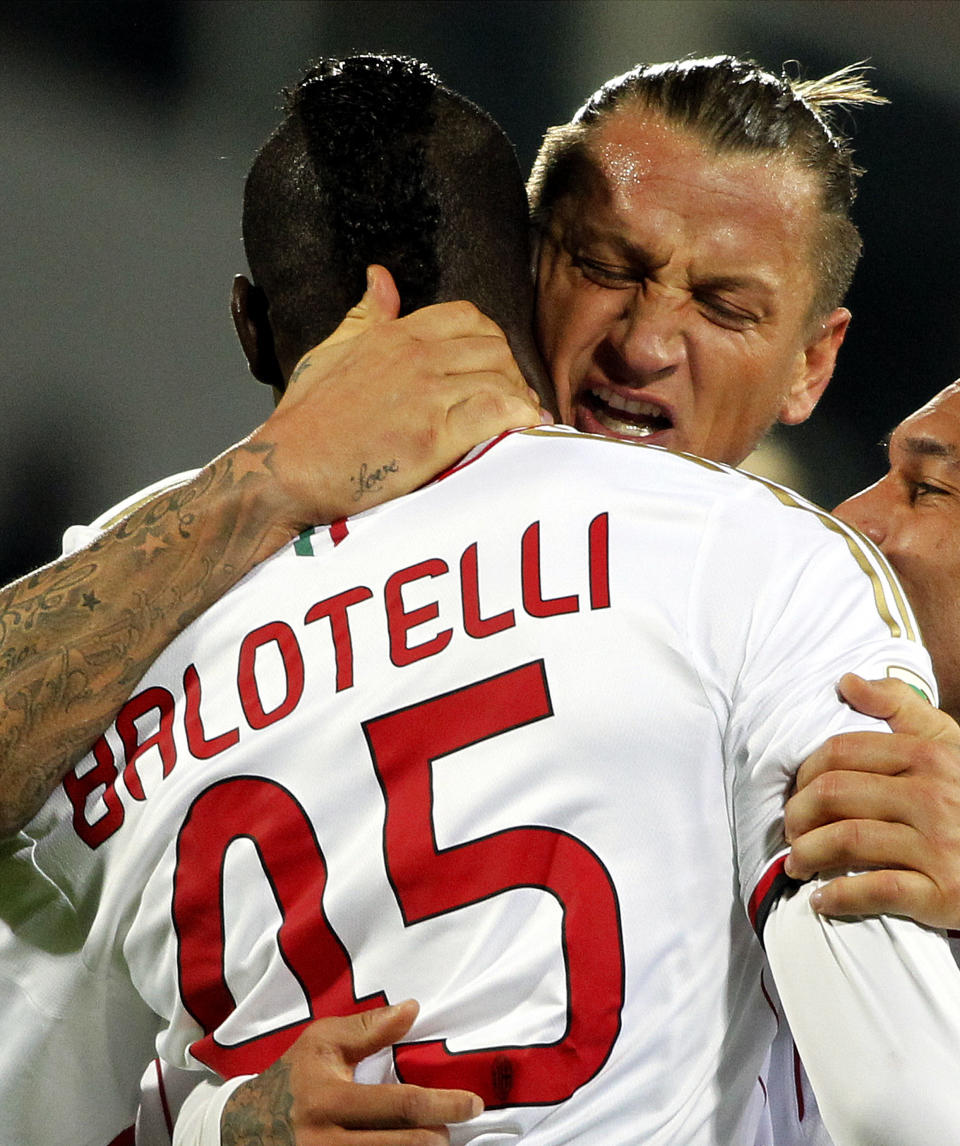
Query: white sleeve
[(874, 1006), (792, 1111), (782, 608), (198, 1123), (77, 536)]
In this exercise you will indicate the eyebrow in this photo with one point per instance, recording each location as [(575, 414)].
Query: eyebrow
[(929, 448), (737, 282), (631, 252), (641, 257)]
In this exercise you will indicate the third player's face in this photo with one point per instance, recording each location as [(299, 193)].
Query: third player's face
[(913, 514), (674, 306)]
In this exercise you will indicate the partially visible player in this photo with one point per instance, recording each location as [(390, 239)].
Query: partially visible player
[(894, 805), (888, 807)]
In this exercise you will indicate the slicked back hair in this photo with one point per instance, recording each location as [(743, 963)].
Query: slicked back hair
[(736, 107), (377, 162)]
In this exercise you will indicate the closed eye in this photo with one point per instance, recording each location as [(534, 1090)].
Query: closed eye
[(606, 274), (724, 313), (919, 490)]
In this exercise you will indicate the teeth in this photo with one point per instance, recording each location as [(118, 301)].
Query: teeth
[(633, 428), (639, 419), (627, 405)]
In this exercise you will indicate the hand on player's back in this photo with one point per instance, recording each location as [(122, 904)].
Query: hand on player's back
[(384, 404), (308, 1097), (891, 803)]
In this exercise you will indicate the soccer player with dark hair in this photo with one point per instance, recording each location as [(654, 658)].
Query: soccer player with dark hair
[(691, 272), (517, 744)]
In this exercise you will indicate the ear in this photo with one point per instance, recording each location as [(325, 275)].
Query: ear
[(815, 367), (248, 305), (535, 242)]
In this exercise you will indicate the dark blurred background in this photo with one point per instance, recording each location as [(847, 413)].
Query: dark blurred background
[(126, 129)]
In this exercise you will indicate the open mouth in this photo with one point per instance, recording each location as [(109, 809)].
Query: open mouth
[(628, 416)]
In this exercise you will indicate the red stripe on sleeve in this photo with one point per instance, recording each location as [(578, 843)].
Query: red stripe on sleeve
[(763, 887), (771, 885), (162, 1091)]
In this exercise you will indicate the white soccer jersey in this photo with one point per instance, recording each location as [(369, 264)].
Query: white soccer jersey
[(792, 1114), (516, 745)]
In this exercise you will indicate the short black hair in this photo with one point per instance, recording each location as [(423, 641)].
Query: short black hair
[(377, 161)]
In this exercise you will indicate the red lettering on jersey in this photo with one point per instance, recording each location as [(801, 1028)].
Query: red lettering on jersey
[(133, 748), (429, 881), (336, 609), (473, 623), (79, 788), (400, 622), (599, 544), (280, 633), (533, 600), (197, 741), (268, 815)]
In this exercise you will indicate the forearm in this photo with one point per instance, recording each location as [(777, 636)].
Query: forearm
[(874, 1006), (77, 635)]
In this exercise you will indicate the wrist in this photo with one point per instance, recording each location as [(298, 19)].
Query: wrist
[(254, 500)]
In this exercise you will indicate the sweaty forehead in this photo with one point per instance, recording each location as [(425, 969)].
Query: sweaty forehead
[(664, 181), (934, 430), (634, 145)]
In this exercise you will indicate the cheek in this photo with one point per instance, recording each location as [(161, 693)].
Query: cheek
[(931, 587), (727, 378), (939, 590), (552, 306), (570, 322), (734, 407), (939, 621)]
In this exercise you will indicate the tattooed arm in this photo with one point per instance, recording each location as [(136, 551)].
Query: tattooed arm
[(373, 412), (308, 1097), (77, 635)]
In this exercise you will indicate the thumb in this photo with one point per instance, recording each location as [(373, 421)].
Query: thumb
[(367, 1032), (902, 706), (380, 303)]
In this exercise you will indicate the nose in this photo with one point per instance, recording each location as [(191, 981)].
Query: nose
[(647, 336), (865, 511)]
